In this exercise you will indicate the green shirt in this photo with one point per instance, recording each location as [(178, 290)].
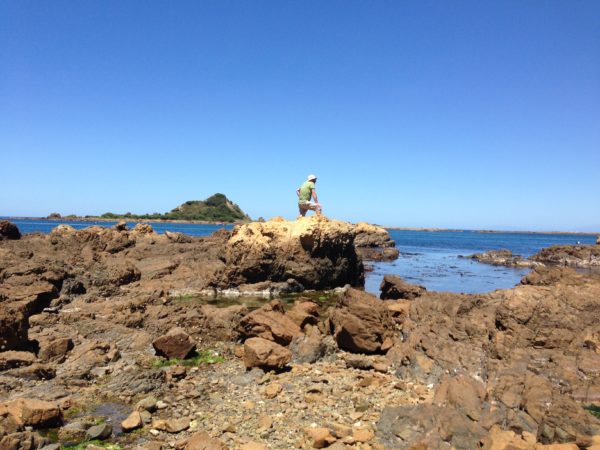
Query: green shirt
[(306, 192)]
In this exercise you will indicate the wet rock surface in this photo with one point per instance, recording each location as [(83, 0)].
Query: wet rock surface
[(80, 311)]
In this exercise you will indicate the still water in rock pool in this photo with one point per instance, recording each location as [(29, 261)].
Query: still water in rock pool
[(426, 257)]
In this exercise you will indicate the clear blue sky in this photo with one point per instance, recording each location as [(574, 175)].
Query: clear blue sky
[(462, 114)]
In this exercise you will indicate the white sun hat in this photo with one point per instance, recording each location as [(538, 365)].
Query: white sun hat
[(312, 177)]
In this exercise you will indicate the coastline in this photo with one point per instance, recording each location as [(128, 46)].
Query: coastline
[(208, 222)]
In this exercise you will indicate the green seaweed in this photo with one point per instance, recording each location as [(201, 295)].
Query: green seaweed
[(594, 410)]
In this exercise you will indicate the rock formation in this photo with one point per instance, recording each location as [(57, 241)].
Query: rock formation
[(395, 288), (9, 230), (582, 256), (316, 252), (374, 243), (80, 311)]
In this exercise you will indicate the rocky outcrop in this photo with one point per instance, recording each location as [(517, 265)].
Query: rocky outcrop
[(502, 258), (368, 235), (317, 252), (374, 243), (525, 359), (9, 230), (361, 324), (581, 256), (395, 288)]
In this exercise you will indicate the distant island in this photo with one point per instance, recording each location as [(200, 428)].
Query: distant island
[(216, 208)]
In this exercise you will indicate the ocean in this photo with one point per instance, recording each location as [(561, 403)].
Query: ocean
[(429, 258)]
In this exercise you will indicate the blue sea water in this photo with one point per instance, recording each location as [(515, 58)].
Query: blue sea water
[(429, 258)]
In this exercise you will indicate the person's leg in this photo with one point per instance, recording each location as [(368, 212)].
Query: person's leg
[(302, 210)]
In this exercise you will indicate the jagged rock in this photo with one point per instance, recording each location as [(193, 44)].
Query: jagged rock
[(9, 230), (175, 344), (361, 324), (269, 322), (393, 288), (180, 238), (582, 256), (34, 413), (14, 328), (23, 440), (142, 228), (317, 252), (203, 441), (259, 352)]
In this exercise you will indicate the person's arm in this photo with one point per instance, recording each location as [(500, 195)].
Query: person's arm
[(298, 192), (314, 196)]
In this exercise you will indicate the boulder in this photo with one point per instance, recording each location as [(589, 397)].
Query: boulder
[(35, 413), (171, 425), (259, 352), (598, 240), (9, 230), (179, 238), (99, 432), (581, 256), (203, 441), (394, 288), (175, 344), (361, 323), (269, 322), (316, 252), (132, 422)]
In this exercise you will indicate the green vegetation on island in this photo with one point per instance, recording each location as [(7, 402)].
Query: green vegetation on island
[(217, 208)]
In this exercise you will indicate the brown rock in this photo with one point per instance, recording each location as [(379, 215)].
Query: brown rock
[(464, 393), (304, 313), (171, 425), (361, 323), (35, 413), (202, 441), (262, 353), (363, 434), (269, 322), (320, 437), (272, 390), (394, 288), (55, 349), (133, 422), (9, 230), (142, 228), (316, 252), (175, 344)]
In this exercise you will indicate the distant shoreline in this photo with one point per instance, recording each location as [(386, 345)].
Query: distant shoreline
[(207, 222), (102, 219)]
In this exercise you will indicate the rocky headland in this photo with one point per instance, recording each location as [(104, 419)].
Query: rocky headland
[(124, 338)]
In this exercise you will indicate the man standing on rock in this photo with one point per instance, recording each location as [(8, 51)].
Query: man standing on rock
[(305, 192)]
